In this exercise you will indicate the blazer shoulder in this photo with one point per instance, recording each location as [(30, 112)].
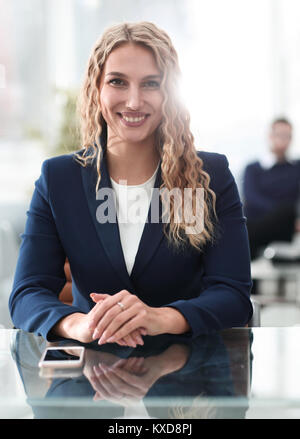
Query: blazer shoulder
[(58, 172), (213, 161)]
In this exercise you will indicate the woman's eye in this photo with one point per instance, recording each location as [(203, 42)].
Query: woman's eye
[(152, 84), (116, 81)]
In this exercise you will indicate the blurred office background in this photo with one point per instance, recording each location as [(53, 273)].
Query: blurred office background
[(240, 69)]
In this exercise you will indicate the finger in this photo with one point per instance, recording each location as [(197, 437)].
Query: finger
[(133, 339), (135, 365), (109, 383), (95, 379), (94, 314), (121, 342), (143, 331), (91, 316), (131, 379), (137, 336), (111, 318), (131, 363), (97, 297), (129, 341), (138, 366), (115, 331), (99, 372), (99, 387), (115, 318), (119, 363), (98, 396), (99, 310), (98, 330), (124, 388)]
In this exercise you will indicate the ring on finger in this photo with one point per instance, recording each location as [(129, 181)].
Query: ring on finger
[(121, 305)]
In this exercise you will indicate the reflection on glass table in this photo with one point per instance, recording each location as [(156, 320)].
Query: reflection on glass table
[(237, 373), (168, 377)]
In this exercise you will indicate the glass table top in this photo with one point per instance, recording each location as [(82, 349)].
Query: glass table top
[(237, 373)]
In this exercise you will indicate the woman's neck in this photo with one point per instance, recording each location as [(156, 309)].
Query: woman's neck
[(134, 163)]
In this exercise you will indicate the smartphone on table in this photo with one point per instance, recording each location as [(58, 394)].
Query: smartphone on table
[(62, 357)]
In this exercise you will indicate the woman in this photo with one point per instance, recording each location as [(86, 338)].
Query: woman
[(148, 276)]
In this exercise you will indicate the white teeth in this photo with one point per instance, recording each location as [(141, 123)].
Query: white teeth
[(133, 119)]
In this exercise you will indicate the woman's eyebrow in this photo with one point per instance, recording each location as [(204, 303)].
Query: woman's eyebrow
[(125, 76)]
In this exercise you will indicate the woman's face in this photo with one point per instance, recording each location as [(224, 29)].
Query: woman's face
[(130, 94)]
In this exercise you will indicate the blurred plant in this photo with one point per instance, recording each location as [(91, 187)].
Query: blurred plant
[(33, 133), (68, 139)]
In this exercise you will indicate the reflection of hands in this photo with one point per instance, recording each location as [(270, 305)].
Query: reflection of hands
[(124, 382), (93, 358), (128, 380)]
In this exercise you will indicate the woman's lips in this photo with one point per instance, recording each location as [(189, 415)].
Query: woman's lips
[(133, 119)]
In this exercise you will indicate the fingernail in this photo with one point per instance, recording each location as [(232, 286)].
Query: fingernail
[(95, 333)]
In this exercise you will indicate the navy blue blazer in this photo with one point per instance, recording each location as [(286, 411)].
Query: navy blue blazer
[(211, 289), (265, 190)]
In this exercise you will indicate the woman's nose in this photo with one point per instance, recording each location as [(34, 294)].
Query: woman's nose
[(134, 98)]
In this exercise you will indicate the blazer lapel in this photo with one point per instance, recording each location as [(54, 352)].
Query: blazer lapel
[(152, 234), (108, 232)]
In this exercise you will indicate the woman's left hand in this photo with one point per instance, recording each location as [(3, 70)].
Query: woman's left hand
[(117, 316)]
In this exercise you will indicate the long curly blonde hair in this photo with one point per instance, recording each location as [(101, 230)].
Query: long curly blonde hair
[(180, 165)]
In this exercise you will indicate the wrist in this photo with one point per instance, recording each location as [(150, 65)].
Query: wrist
[(173, 321), (66, 327)]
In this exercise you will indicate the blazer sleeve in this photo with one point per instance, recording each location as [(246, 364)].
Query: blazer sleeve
[(224, 300), (39, 277)]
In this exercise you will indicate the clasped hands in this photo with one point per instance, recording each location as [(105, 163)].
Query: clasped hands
[(123, 318)]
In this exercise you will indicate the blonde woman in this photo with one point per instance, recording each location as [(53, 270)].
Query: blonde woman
[(153, 230)]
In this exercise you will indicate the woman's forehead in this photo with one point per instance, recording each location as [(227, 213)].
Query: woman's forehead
[(132, 58)]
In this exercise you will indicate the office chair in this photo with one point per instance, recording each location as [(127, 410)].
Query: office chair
[(255, 319)]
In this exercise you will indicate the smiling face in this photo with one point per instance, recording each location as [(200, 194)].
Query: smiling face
[(130, 94)]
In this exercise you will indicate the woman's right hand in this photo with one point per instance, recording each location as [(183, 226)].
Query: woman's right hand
[(74, 326), (77, 327)]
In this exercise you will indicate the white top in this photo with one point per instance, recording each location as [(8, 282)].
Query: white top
[(132, 206)]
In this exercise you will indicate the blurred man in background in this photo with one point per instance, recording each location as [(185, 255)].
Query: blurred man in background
[(271, 191)]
